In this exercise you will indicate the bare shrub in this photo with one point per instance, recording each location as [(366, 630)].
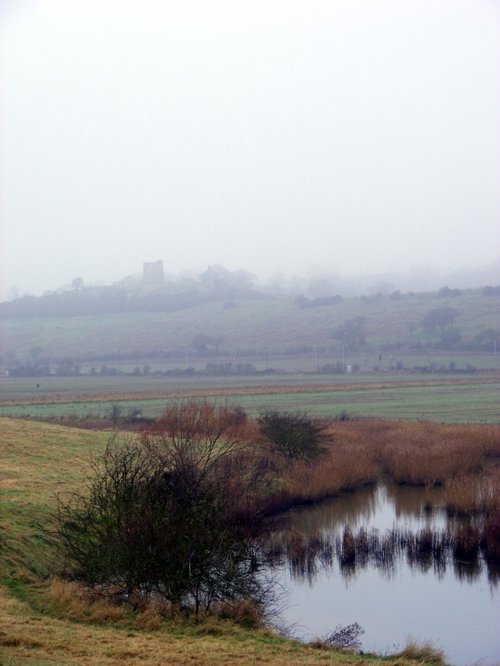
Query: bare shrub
[(173, 514), (294, 435), (343, 638)]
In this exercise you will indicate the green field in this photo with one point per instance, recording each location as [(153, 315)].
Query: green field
[(473, 399)]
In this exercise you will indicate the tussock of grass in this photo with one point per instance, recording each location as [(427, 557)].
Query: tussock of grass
[(79, 603), (424, 652), (150, 619)]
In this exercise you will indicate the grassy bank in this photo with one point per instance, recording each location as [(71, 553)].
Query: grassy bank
[(43, 622), (29, 637)]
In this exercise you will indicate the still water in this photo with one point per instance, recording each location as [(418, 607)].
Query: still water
[(435, 597)]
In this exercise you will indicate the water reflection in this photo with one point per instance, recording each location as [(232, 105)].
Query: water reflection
[(343, 533), (342, 559)]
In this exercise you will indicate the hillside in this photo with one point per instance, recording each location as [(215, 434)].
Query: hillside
[(448, 319)]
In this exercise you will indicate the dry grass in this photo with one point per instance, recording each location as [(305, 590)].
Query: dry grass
[(27, 637), (423, 653), (335, 472), (80, 603), (422, 453), (461, 457)]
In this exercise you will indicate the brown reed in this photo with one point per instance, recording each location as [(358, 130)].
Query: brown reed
[(360, 452)]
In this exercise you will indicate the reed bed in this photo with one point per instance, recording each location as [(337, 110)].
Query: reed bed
[(335, 472), (465, 495), (462, 458), (425, 453)]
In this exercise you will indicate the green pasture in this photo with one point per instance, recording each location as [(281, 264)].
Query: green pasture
[(460, 403), (53, 387), (37, 461)]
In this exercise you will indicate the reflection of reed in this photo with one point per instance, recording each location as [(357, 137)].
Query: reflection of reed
[(410, 501), (350, 508), (423, 550)]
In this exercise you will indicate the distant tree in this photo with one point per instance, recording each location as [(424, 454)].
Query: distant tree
[(68, 368), (450, 338), (35, 352), (351, 333), (322, 301), (115, 413), (221, 281), (134, 415), (203, 343), (491, 291), (438, 318), (488, 338), (322, 286), (446, 292)]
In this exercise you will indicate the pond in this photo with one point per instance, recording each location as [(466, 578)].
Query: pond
[(396, 571)]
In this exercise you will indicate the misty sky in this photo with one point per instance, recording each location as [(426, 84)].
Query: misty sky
[(349, 136)]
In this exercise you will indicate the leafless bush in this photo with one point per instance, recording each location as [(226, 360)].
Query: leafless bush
[(172, 514), (345, 637)]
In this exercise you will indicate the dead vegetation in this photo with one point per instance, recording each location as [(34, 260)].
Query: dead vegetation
[(462, 458)]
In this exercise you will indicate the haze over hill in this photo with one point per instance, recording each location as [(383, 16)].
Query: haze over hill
[(283, 137), (313, 283)]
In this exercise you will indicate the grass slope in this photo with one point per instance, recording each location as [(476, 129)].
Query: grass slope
[(27, 637), (38, 459), (273, 326)]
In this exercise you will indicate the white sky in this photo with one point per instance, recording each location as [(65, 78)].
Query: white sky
[(350, 135)]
